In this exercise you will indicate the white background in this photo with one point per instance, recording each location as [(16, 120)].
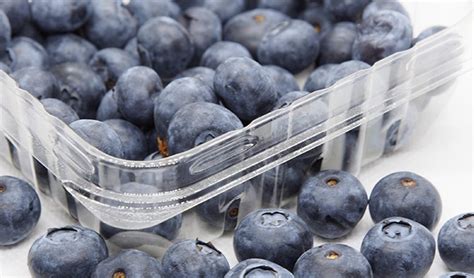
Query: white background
[(442, 152)]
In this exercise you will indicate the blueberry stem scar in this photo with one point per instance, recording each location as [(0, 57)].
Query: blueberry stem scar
[(119, 274), (3, 188), (332, 255), (332, 182), (408, 182)]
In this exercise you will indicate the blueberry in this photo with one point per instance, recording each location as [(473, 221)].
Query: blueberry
[(108, 108), (248, 28), (38, 82), (129, 263), (70, 251), (152, 142), (379, 5), (219, 52), (336, 46), (284, 81), (31, 31), (5, 68), (133, 140), (60, 16), (258, 268), (350, 10), (289, 98), (20, 211), (110, 24), (5, 32), (456, 243), (408, 195), (144, 10), (400, 128), (60, 110), (276, 235), (186, 4), (399, 247), (165, 45), (428, 33), (332, 202), (132, 48), (204, 74), (332, 261), (176, 95), (204, 28), (345, 69), (245, 88), (18, 13), (25, 52), (197, 123), (289, 7), (225, 9), (292, 44), (194, 258), (457, 275), (99, 135), (381, 35), (79, 87), (69, 48), (318, 18), (318, 79), (110, 63), (135, 92)]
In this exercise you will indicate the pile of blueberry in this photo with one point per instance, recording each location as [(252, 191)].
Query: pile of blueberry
[(270, 242)]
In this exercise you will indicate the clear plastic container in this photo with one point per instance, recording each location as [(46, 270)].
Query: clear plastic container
[(204, 192)]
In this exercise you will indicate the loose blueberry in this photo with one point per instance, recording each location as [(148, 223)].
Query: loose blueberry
[(289, 7), (350, 10), (60, 16), (284, 81), (456, 243), (332, 203), (315, 15), (5, 32), (135, 92), (276, 235), (69, 48), (36, 81), (332, 261), (129, 263), (20, 211), (108, 108), (70, 251), (60, 110), (245, 88), (219, 52), (25, 52), (318, 79), (110, 63), (379, 5), (336, 46), (428, 33), (258, 268), (204, 74), (18, 13), (144, 10), (194, 258), (133, 140), (399, 247), (225, 9)]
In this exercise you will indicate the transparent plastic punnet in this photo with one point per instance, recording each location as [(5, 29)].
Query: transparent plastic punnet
[(205, 191)]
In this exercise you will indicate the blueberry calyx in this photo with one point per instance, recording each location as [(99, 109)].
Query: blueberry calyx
[(408, 182), (465, 222), (332, 181), (3, 188), (396, 229), (260, 267), (259, 18), (119, 274), (54, 234), (274, 219), (332, 255), (207, 248)]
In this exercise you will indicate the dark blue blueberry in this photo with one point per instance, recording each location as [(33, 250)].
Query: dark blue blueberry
[(204, 28), (194, 258), (60, 16), (21, 210), (18, 13), (336, 46), (133, 140), (248, 28), (400, 128), (245, 87), (135, 92), (350, 10), (80, 88), (165, 45), (284, 81), (132, 48), (345, 69), (38, 82), (60, 110), (197, 123), (5, 32), (332, 261), (332, 203), (457, 275), (456, 243), (186, 4), (99, 135), (399, 247), (204, 74), (276, 235), (70, 251), (254, 268), (144, 10), (129, 263), (315, 15), (110, 63), (292, 44), (318, 79), (108, 108), (176, 95), (289, 7), (381, 35), (69, 48), (379, 5), (225, 9), (152, 142), (6, 68), (408, 195), (110, 24), (25, 52), (219, 52), (428, 33), (30, 30)]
